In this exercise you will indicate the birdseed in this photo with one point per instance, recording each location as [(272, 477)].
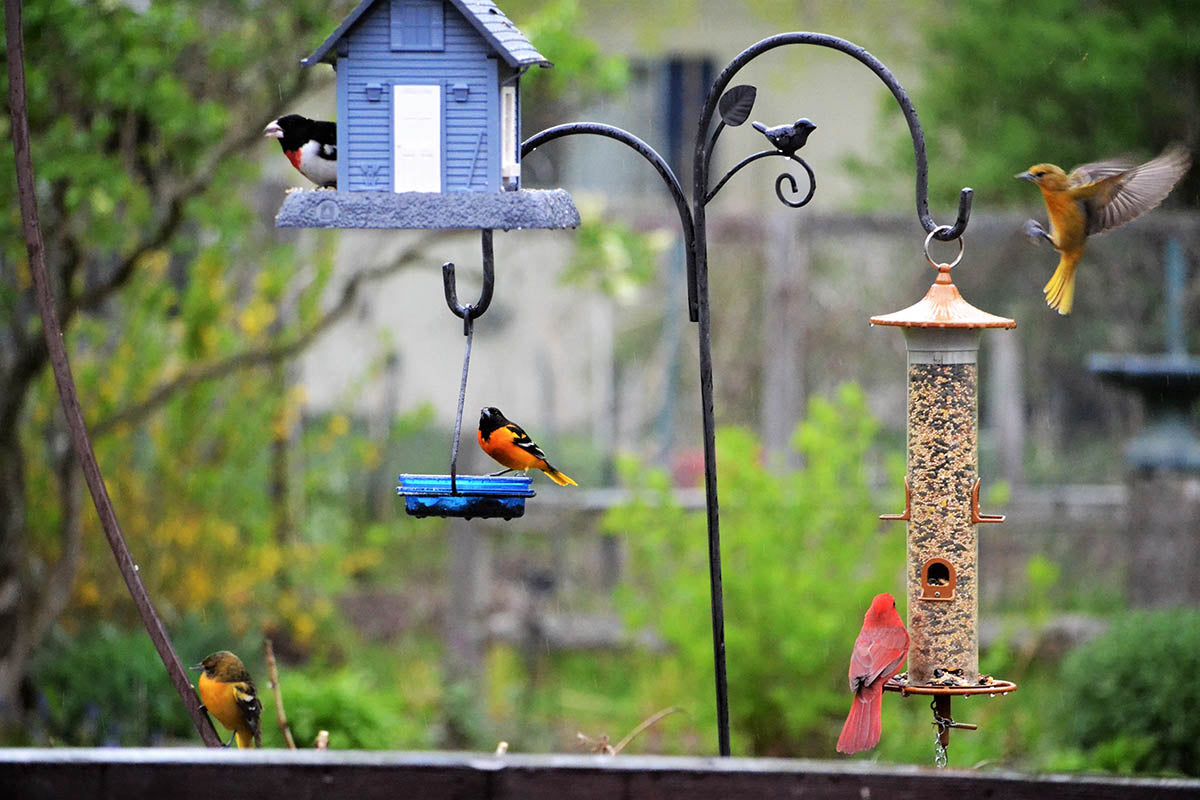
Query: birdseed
[(942, 469)]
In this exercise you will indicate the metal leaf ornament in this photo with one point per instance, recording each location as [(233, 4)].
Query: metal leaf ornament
[(736, 104)]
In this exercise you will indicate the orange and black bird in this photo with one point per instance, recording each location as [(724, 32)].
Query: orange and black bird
[(228, 693), (1092, 199), (508, 443)]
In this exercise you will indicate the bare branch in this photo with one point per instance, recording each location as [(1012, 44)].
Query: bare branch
[(262, 356), (199, 181), (600, 744), (280, 714), (56, 590)]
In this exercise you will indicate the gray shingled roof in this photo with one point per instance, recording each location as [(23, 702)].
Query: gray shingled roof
[(489, 20)]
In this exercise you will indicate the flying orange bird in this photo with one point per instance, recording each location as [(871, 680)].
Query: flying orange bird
[(879, 650), (1092, 199), (507, 442)]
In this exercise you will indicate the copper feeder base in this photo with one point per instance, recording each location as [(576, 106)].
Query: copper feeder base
[(941, 702), (899, 683)]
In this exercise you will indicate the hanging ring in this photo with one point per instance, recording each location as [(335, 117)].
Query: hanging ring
[(929, 238)]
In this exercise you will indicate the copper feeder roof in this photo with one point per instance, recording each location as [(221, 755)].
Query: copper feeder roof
[(943, 306)]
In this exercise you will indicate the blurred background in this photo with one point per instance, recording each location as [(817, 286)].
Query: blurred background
[(253, 392)]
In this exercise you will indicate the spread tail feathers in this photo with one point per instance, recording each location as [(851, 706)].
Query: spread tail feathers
[(1060, 290), (558, 477), (864, 722)]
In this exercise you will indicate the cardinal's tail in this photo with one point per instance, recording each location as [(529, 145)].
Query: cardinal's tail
[(864, 722), (561, 478), (1060, 290)]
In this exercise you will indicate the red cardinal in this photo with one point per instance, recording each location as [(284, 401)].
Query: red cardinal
[(879, 650)]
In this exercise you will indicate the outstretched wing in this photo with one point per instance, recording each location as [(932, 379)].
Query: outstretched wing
[(1116, 192)]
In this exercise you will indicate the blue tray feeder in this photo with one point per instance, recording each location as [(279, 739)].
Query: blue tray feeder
[(468, 496), (486, 496)]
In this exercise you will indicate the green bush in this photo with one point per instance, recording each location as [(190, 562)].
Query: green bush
[(1130, 696), (803, 552), (106, 686)]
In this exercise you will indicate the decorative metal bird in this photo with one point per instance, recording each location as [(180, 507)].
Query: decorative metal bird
[(787, 139)]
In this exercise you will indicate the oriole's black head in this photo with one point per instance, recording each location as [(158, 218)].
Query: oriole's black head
[(490, 419)]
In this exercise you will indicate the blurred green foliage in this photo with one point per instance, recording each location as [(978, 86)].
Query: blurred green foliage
[(613, 258), (1009, 83), (1131, 695), (802, 555)]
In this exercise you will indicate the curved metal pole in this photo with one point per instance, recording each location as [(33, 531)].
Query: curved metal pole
[(664, 170), (67, 393), (697, 251), (700, 165), (698, 312), (704, 146)]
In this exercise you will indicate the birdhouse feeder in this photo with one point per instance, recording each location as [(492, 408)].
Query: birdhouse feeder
[(941, 495), (428, 122)]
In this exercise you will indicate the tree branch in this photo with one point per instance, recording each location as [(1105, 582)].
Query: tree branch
[(68, 395), (56, 591), (263, 356), (199, 181), (32, 359), (280, 714)]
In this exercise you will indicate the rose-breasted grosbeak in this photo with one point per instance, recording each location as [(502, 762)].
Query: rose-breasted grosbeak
[(311, 146)]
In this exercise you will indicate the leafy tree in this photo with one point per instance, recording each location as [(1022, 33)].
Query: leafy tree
[(181, 307), (1011, 83), (141, 121)]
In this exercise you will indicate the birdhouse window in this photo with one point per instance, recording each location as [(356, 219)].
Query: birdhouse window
[(417, 25), (417, 138), (510, 168)]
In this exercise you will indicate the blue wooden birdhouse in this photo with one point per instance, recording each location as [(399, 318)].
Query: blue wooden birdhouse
[(428, 122)]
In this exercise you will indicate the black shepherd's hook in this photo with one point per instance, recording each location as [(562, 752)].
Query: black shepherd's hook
[(467, 313)]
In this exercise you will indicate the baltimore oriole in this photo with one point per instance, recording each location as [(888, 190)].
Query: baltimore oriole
[(228, 693), (506, 442), (1095, 198)]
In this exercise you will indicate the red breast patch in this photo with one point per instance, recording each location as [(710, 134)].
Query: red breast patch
[(294, 157)]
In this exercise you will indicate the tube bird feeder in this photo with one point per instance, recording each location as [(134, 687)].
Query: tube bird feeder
[(941, 334)]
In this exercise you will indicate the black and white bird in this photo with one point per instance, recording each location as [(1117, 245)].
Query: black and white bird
[(311, 146), (787, 139)]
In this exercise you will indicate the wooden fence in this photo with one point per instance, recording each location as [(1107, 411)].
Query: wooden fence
[(184, 774)]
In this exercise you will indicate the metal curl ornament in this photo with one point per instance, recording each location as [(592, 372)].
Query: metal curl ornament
[(812, 185), (795, 186)]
